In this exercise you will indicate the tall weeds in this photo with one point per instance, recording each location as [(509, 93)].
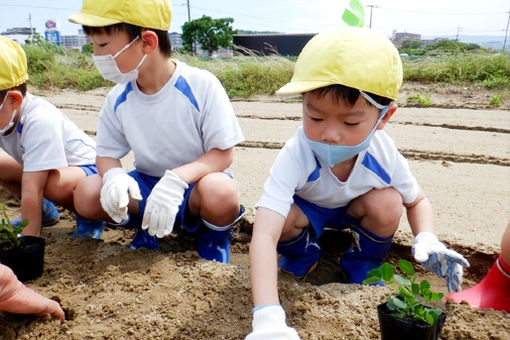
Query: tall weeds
[(245, 76)]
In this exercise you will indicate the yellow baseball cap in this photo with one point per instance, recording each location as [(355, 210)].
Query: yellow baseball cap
[(155, 14), (13, 64), (355, 57)]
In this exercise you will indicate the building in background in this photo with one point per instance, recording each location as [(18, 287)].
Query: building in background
[(175, 41), (398, 37), (19, 34), (267, 44), (75, 41), (52, 33)]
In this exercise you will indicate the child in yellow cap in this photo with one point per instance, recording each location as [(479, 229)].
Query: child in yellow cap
[(43, 154), (177, 120), (340, 171)]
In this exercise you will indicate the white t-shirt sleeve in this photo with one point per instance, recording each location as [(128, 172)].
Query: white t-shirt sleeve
[(42, 142), (287, 174), (110, 140), (403, 180), (220, 128)]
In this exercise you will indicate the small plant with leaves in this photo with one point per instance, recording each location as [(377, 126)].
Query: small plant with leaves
[(412, 297), (8, 232), (419, 101), (495, 101)]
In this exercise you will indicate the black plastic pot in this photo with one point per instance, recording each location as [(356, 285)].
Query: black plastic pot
[(393, 327), (26, 261)]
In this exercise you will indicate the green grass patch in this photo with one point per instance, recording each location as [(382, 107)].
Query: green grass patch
[(487, 70), (245, 76)]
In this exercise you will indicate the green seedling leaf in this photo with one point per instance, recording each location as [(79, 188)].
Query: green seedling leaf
[(405, 293), (424, 286), (406, 267), (371, 280), (389, 303), (436, 296), (401, 280), (356, 17), (376, 272), (7, 231), (387, 271), (415, 288), (399, 303)]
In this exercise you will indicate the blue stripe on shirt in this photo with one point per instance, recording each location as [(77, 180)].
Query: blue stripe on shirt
[(373, 165), (123, 96), (182, 85), (315, 173)]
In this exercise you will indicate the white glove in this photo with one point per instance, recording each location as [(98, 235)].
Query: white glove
[(163, 204), (269, 323), (114, 193), (437, 258)]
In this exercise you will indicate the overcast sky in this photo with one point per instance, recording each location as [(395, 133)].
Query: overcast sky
[(427, 17)]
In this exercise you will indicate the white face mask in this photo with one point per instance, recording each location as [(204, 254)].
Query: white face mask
[(108, 68), (11, 122)]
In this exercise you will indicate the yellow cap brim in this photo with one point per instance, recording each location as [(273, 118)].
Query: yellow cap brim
[(296, 88), (92, 20)]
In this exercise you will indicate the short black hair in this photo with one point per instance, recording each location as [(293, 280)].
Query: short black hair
[(134, 31), (348, 94), (21, 88)]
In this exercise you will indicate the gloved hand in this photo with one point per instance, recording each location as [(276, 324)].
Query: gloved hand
[(114, 193), (163, 204), (269, 323), (437, 258)]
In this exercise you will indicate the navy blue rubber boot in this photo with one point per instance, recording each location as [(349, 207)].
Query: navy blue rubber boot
[(213, 242), (214, 245), (49, 215), (88, 228), (300, 255), (142, 239), (366, 253)]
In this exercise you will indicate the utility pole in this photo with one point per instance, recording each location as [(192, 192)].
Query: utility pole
[(457, 37), (189, 13), (506, 32), (371, 8), (31, 28)]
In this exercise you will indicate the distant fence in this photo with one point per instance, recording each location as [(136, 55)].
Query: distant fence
[(266, 44)]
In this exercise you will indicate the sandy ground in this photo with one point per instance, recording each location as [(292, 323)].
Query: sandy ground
[(458, 149)]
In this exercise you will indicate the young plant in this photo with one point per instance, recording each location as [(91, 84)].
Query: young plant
[(9, 232), (419, 100), (411, 299), (495, 101)]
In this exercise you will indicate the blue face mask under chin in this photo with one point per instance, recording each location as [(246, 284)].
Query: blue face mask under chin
[(334, 154)]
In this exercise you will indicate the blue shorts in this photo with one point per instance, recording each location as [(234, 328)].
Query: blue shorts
[(89, 169), (321, 218), (146, 183)]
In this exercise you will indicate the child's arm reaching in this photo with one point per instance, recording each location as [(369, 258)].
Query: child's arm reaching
[(268, 314), (428, 250), (32, 187)]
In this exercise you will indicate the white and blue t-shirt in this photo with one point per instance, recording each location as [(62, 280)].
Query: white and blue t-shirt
[(297, 171), (188, 117), (46, 139)]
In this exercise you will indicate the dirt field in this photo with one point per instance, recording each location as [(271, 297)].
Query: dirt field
[(459, 151)]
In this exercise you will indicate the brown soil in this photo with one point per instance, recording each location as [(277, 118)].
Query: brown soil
[(112, 292)]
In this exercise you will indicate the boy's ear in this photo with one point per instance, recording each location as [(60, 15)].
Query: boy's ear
[(387, 116), (14, 99), (150, 42)]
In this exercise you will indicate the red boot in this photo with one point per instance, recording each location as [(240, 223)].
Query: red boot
[(492, 292)]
